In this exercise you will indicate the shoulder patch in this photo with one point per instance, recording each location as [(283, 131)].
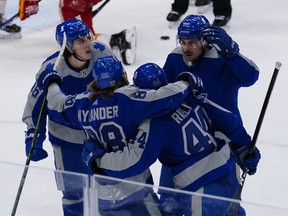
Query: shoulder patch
[(99, 46)]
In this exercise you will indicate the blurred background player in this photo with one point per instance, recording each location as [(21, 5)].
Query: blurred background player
[(9, 31), (180, 7), (222, 10), (123, 43)]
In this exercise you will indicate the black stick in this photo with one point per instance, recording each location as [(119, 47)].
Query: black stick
[(260, 120), (99, 8), (40, 117), (28, 159), (257, 130), (265, 105)]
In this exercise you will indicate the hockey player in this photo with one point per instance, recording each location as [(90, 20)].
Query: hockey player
[(9, 31), (123, 43), (209, 52), (222, 10), (75, 66), (111, 114), (180, 7), (183, 140)]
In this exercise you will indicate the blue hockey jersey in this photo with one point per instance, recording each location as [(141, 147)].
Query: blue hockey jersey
[(183, 141), (222, 78), (113, 121), (66, 139)]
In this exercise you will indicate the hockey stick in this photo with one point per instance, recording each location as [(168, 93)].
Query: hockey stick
[(40, 117), (9, 20), (257, 129), (99, 8), (23, 178), (28, 159)]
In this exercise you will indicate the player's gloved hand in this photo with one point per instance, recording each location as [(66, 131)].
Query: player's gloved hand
[(196, 84), (28, 8), (247, 161), (223, 43), (47, 77), (38, 152), (92, 150)]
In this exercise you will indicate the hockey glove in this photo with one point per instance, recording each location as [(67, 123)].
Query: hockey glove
[(47, 77), (92, 150), (27, 8), (196, 84), (247, 161), (223, 43), (38, 152)]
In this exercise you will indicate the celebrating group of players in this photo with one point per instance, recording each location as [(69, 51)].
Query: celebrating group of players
[(184, 114)]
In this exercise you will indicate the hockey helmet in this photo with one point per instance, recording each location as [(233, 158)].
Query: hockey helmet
[(74, 29), (192, 27), (108, 72), (149, 76)]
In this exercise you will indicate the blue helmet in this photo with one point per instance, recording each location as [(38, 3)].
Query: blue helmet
[(192, 26), (149, 76), (108, 72), (73, 29)]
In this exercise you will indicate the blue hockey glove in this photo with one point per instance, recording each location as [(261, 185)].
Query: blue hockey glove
[(223, 43), (247, 162), (38, 152), (92, 150), (47, 77), (196, 84)]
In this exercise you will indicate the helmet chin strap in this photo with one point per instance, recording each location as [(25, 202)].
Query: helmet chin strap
[(78, 57), (75, 55)]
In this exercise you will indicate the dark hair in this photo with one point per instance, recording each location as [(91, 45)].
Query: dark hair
[(105, 93), (67, 53)]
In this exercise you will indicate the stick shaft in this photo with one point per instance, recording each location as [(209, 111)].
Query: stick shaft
[(265, 105), (40, 117), (28, 159), (99, 8), (260, 119)]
